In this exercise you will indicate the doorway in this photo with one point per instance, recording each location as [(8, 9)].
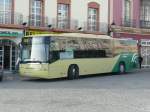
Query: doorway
[(145, 52), (7, 57)]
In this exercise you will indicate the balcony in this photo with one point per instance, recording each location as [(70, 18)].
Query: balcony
[(132, 26), (45, 23), (64, 24), (16, 20), (37, 21), (144, 24), (100, 27), (76, 26), (9, 18), (128, 23)]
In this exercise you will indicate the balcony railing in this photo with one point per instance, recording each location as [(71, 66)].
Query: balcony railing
[(145, 24), (95, 27), (10, 18), (134, 23), (79, 26), (64, 24), (128, 22), (37, 21), (134, 26)]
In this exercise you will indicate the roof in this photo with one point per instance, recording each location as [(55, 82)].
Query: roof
[(77, 35)]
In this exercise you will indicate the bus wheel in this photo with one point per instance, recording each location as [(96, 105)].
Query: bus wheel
[(121, 68), (73, 72)]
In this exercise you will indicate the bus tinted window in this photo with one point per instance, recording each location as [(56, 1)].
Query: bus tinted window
[(81, 47), (89, 54)]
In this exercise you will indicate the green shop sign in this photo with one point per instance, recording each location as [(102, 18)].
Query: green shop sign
[(9, 34)]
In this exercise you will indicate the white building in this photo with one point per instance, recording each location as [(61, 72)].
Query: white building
[(32, 16)]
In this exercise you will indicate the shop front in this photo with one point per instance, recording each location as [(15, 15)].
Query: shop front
[(145, 52), (9, 50)]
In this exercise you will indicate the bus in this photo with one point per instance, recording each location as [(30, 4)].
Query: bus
[(75, 54)]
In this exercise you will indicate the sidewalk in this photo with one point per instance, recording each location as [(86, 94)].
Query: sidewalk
[(142, 70), (10, 76)]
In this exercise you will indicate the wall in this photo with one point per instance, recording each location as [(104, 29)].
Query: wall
[(117, 11), (22, 6), (136, 12), (51, 10)]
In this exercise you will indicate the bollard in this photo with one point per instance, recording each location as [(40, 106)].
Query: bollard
[(1, 73)]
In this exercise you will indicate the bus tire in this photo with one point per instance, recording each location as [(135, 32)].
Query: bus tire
[(73, 72), (122, 68)]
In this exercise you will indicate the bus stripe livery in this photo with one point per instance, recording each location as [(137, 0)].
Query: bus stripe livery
[(74, 54)]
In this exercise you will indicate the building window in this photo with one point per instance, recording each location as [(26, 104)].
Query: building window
[(93, 16), (63, 16), (6, 11), (36, 13), (127, 12), (92, 19), (145, 13)]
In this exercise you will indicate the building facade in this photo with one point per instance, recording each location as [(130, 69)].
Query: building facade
[(131, 19), (23, 17)]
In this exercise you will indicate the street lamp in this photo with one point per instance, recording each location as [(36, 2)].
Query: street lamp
[(110, 31), (20, 47), (80, 28), (49, 26), (24, 23)]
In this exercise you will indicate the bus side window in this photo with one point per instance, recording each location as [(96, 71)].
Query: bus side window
[(53, 56), (57, 45), (89, 53), (107, 46)]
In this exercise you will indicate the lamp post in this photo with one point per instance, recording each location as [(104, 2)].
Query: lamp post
[(49, 26), (19, 50), (24, 28), (110, 29)]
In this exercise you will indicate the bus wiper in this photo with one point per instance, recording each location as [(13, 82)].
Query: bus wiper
[(37, 61), (32, 61)]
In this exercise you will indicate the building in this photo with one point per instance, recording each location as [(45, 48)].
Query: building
[(131, 19), (23, 17)]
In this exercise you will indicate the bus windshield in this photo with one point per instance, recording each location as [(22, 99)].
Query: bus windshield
[(35, 50)]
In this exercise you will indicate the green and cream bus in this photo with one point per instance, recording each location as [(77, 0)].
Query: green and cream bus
[(74, 54)]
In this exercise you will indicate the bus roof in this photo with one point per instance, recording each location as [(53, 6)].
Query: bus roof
[(78, 35)]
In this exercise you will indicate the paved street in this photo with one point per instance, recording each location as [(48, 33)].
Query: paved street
[(104, 93)]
